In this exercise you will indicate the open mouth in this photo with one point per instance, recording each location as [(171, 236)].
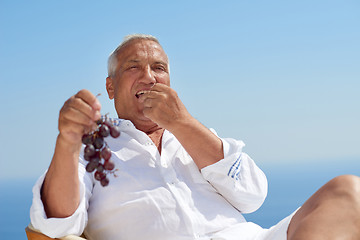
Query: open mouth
[(138, 94)]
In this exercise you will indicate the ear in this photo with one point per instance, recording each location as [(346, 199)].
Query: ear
[(110, 87)]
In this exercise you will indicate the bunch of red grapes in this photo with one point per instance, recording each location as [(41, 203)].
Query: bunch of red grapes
[(97, 152)]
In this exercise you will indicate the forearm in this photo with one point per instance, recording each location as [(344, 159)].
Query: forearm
[(163, 106), (204, 146), (60, 190)]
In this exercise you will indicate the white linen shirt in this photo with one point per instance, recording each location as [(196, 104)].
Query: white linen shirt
[(163, 196)]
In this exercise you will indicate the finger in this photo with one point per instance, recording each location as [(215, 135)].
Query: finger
[(149, 102), (160, 87), (161, 96), (80, 105), (72, 127), (156, 88), (167, 91), (73, 131), (77, 116), (86, 102), (89, 98)]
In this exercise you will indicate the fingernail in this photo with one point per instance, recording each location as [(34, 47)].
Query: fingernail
[(97, 115), (96, 104)]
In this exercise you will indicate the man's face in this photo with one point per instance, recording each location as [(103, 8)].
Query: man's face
[(141, 64)]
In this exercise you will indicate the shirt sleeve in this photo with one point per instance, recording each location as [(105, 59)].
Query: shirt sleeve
[(237, 178), (60, 227)]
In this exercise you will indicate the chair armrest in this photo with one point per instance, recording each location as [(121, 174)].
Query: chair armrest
[(33, 234)]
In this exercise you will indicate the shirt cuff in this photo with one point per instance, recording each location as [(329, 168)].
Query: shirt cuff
[(232, 156), (58, 227), (237, 178)]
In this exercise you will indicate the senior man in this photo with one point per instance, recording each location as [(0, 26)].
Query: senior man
[(177, 179)]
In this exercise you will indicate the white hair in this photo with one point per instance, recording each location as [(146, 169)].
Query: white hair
[(113, 60)]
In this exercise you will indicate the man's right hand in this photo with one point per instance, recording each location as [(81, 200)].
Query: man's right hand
[(78, 116), (60, 191)]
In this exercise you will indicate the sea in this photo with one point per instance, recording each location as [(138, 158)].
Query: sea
[(290, 185)]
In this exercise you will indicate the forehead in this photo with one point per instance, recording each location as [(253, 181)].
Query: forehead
[(142, 50)]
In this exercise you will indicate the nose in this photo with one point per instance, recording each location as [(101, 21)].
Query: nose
[(148, 76)]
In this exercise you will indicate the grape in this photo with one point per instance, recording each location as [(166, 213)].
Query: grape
[(87, 158), (104, 181), (97, 152), (99, 175), (86, 139), (89, 150), (96, 157), (109, 165), (92, 165), (105, 153), (114, 131), (99, 142), (100, 168), (104, 130)]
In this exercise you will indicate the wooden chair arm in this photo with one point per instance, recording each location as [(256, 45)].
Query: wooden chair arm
[(33, 234)]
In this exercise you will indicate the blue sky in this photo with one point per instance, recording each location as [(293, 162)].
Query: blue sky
[(283, 76)]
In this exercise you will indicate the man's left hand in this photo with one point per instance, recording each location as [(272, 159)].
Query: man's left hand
[(163, 106)]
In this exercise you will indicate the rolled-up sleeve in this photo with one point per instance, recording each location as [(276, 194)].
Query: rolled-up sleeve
[(60, 227), (237, 178)]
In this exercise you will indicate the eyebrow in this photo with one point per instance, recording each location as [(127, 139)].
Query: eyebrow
[(129, 61), (132, 61), (161, 62)]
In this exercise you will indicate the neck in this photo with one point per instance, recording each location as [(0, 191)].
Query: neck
[(155, 133), (156, 137)]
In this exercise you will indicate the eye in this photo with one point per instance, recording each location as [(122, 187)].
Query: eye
[(132, 67), (160, 67)]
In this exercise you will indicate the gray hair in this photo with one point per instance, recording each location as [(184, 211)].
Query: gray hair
[(113, 61)]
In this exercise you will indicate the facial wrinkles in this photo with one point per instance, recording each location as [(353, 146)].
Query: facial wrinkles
[(150, 53), (140, 52), (142, 49), (145, 53), (127, 55)]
